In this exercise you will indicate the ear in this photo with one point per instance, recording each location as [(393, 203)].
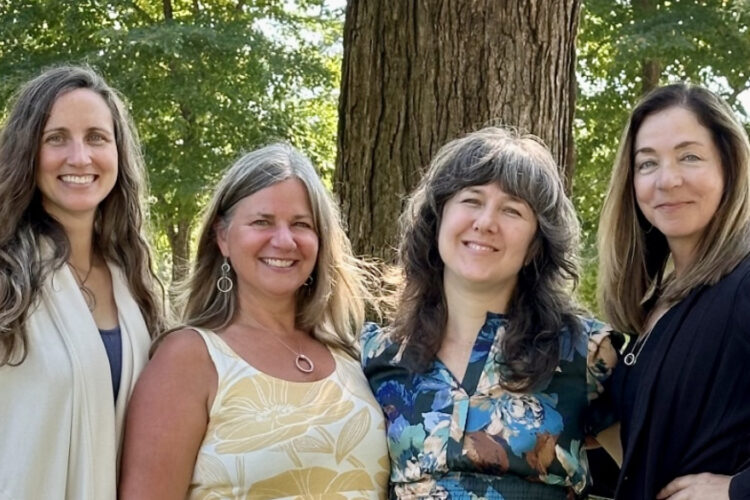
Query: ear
[(220, 230)]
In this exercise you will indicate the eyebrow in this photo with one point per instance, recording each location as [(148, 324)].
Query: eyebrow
[(272, 216), (477, 190), (90, 129), (681, 145)]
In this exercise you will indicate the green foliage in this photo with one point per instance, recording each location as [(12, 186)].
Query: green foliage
[(206, 81), (701, 41)]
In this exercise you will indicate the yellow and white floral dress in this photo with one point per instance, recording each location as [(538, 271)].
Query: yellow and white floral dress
[(270, 438)]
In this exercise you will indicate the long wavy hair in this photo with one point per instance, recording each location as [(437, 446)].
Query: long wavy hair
[(118, 225), (541, 306), (633, 255), (332, 308)]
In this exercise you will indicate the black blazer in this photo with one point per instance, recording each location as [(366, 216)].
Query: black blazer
[(692, 409)]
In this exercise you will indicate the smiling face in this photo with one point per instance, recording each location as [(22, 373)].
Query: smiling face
[(678, 177), (77, 158), (271, 241), (484, 238)]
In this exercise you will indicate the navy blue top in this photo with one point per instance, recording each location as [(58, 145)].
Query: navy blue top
[(627, 379), (113, 344), (686, 402)]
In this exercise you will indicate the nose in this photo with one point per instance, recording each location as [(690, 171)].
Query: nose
[(670, 176), (486, 221), (79, 154), (283, 238)]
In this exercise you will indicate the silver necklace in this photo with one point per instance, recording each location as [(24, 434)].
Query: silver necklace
[(631, 358), (88, 294), (302, 362)]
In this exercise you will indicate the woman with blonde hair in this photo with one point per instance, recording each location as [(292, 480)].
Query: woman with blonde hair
[(260, 395), (487, 372), (674, 241), (77, 294)]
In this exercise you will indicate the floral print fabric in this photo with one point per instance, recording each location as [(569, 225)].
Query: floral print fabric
[(474, 439), (271, 438)]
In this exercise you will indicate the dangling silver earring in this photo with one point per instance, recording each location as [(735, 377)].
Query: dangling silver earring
[(224, 284), (309, 281)]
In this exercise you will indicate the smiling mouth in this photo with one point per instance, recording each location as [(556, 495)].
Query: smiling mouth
[(479, 246), (78, 179), (280, 263), (672, 205)]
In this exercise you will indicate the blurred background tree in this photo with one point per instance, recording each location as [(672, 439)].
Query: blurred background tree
[(206, 80), (625, 48)]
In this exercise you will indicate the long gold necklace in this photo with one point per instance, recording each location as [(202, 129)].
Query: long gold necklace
[(301, 361), (88, 294)]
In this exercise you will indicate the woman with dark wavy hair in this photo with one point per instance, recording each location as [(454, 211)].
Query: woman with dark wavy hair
[(487, 370), (674, 254), (77, 298)]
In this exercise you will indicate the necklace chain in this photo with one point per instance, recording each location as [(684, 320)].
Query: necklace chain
[(302, 362), (632, 357), (88, 294)]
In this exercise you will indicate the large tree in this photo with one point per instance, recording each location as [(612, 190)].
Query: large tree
[(418, 73)]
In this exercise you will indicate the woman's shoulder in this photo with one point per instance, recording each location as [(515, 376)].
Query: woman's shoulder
[(186, 345), (375, 341), (594, 341)]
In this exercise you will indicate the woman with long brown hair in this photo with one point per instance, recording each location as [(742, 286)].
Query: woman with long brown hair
[(77, 294), (674, 242)]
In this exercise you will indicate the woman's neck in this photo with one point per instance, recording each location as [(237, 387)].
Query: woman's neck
[(80, 235), (274, 315), (683, 256), (467, 310)]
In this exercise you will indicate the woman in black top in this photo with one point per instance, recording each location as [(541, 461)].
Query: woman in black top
[(674, 268)]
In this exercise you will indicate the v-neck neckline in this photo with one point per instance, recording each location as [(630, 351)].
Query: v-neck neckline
[(480, 351)]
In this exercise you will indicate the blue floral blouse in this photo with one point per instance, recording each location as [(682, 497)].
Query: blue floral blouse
[(474, 439)]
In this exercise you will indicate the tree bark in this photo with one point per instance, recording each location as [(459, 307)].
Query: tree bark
[(651, 68), (417, 73), (167, 8), (178, 233)]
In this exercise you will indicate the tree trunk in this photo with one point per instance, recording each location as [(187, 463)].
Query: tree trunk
[(417, 73), (650, 67), (178, 233)]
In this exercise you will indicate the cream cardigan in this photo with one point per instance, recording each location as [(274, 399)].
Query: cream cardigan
[(60, 432)]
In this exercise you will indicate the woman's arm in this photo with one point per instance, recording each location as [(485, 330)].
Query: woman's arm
[(609, 439), (167, 418)]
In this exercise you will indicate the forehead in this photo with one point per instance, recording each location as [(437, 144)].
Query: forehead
[(80, 107), (670, 127), (287, 197), (490, 189)]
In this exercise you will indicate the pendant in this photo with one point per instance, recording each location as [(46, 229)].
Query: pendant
[(303, 363), (88, 297), (629, 359)]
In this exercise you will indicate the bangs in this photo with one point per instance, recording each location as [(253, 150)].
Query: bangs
[(528, 173)]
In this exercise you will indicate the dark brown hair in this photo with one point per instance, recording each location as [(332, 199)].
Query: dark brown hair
[(541, 306)]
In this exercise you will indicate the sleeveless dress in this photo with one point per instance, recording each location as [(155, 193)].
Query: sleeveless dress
[(271, 438)]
